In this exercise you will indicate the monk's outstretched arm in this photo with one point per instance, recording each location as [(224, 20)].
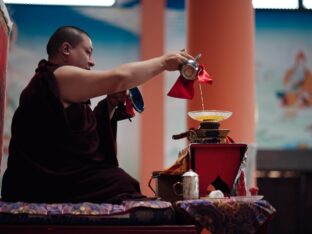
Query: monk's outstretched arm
[(78, 85)]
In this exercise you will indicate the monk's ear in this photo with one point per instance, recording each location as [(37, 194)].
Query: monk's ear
[(66, 48)]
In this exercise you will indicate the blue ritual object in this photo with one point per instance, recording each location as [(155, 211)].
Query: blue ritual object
[(136, 99)]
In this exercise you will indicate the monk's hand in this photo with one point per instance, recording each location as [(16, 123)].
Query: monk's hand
[(116, 99), (173, 62)]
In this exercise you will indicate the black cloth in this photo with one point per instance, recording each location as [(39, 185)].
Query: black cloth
[(59, 154)]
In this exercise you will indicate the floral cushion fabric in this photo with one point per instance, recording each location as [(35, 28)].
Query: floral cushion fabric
[(129, 212), (226, 215)]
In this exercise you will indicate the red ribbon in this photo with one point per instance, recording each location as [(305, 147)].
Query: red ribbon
[(129, 107), (184, 88)]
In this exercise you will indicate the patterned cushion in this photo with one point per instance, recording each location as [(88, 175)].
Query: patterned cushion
[(151, 212)]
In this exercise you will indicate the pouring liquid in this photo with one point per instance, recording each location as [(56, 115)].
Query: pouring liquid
[(210, 118), (201, 96)]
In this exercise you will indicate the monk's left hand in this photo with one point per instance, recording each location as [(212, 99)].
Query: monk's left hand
[(116, 99)]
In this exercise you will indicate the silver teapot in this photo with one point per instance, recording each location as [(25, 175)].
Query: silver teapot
[(190, 185), (190, 68)]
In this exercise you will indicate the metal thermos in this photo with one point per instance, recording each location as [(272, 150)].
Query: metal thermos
[(190, 185)]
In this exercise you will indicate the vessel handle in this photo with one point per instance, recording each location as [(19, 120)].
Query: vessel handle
[(150, 185)]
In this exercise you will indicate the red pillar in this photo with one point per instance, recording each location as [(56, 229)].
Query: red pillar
[(152, 119), (223, 31)]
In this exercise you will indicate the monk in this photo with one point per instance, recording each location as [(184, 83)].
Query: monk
[(61, 150)]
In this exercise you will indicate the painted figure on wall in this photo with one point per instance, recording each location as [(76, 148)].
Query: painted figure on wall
[(298, 84)]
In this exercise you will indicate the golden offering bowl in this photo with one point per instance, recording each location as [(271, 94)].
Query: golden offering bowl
[(210, 115)]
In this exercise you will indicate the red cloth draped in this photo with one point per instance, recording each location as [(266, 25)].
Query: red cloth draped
[(184, 88)]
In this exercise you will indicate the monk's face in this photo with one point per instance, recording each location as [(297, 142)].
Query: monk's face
[(81, 55)]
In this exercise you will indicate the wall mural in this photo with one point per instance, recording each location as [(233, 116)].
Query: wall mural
[(284, 79)]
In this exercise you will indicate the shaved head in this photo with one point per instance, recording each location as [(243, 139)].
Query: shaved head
[(70, 34)]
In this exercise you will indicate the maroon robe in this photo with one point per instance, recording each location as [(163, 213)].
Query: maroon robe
[(59, 154)]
